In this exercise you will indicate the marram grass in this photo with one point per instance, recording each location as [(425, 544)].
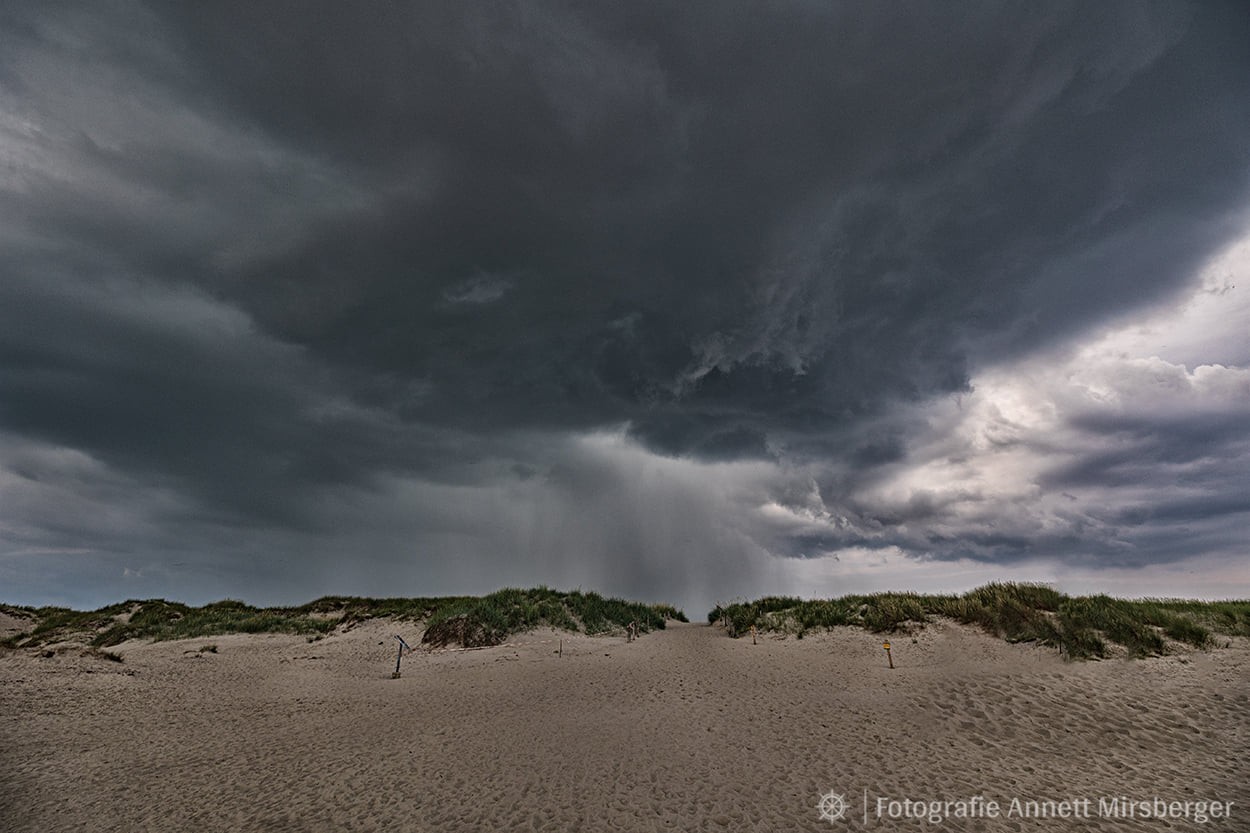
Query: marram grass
[(471, 620), (1079, 626)]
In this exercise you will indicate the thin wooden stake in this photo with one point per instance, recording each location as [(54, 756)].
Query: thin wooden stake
[(402, 646)]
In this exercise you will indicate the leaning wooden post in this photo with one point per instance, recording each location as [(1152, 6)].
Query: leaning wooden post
[(399, 656), (888, 655), (753, 635)]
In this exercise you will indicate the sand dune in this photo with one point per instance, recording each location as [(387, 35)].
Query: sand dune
[(684, 729)]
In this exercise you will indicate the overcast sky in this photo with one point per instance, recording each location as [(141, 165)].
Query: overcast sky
[(676, 301)]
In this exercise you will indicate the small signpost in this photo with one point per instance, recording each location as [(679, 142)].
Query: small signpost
[(402, 646), (888, 655), (753, 635)]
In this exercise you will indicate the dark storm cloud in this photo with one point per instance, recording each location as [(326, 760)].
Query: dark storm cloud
[(262, 261), (800, 214)]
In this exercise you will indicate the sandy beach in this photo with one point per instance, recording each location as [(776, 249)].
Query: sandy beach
[(683, 729)]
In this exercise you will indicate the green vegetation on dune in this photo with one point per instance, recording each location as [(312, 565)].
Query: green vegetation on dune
[(157, 619), (489, 619), (468, 620), (1079, 626)]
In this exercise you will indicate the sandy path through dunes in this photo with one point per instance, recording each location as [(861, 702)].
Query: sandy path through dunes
[(684, 729)]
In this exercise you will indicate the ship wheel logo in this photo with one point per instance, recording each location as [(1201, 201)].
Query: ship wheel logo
[(832, 806)]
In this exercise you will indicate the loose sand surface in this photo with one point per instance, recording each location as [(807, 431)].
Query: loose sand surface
[(683, 729)]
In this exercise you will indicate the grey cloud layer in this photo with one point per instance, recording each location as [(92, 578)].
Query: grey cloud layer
[(262, 259)]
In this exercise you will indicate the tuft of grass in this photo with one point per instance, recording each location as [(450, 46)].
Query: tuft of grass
[(670, 612), (1081, 627), (351, 609), (1017, 613), (883, 612), (1119, 620), (490, 619)]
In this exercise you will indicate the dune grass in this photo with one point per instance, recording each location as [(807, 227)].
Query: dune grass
[(469, 620), (1081, 626), (158, 619), (489, 619)]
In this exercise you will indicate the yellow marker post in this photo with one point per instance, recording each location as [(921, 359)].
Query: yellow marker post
[(888, 655)]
